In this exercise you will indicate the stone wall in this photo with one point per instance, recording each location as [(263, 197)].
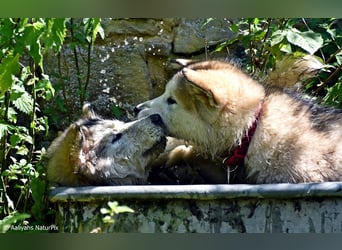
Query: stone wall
[(132, 63)]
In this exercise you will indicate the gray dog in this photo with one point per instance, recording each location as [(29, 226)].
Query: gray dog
[(94, 151)]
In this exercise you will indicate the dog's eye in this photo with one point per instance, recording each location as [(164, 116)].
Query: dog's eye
[(116, 137), (171, 101)]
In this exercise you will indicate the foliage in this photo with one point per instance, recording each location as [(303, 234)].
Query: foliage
[(109, 215), (81, 37), (9, 220), (23, 87), (267, 41), (23, 82), (113, 210)]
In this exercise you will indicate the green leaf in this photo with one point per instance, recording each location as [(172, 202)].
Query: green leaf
[(124, 209), (104, 211), (24, 103), (108, 219), (234, 27), (22, 100), (114, 209), (332, 33), (12, 115), (92, 27), (113, 205), (334, 95), (6, 223), (30, 40), (286, 47), (308, 40), (15, 140), (9, 66), (97, 29), (338, 57), (6, 30), (3, 130), (38, 188), (277, 37), (55, 33), (45, 89)]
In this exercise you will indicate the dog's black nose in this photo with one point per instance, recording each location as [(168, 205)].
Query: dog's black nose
[(156, 119), (136, 110)]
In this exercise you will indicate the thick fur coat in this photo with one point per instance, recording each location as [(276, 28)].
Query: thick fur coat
[(212, 105), (94, 151)]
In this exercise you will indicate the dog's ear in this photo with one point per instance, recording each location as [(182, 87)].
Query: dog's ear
[(183, 62), (76, 137), (203, 98), (198, 81), (88, 112), (178, 64), (64, 151)]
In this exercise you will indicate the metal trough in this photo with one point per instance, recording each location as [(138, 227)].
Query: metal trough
[(268, 208)]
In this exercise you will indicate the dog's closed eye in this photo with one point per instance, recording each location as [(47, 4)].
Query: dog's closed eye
[(116, 137), (171, 101)]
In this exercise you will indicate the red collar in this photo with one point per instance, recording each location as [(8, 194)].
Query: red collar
[(239, 153)]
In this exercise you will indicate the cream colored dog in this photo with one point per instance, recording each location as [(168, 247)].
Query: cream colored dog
[(274, 135)]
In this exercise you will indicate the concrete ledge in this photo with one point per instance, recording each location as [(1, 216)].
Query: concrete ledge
[(200, 192), (310, 207)]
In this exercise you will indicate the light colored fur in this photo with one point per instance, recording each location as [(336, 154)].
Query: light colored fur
[(291, 71), (93, 151), (212, 104)]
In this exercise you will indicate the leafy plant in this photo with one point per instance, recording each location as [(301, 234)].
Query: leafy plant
[(113, 210), (23, 84), (110, 213), (24, 87), (8, 221), (267, 41)]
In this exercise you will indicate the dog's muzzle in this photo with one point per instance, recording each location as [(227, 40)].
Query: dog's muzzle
[(160, 145), (158, 121)]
